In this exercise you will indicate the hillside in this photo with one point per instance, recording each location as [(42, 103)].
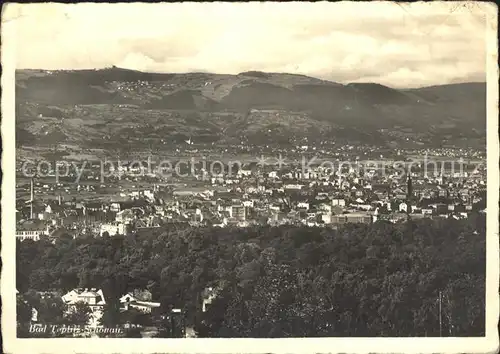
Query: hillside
[(115, 106)]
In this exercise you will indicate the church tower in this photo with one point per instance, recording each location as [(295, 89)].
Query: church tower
[(409, 191)]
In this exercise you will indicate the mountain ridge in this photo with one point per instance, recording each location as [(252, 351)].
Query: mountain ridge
[(201, 103), (158, 75)]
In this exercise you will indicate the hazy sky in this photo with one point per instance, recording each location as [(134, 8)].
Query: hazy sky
[(396, 45)]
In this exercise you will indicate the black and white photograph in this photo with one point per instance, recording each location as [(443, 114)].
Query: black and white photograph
[(256, 170)]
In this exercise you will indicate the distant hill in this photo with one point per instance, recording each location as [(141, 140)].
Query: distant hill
[(217, 107)]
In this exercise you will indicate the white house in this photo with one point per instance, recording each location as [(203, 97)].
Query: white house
[(245, 173), (274, 207), (92, 297), (125, 216), (113, 229), (339, 202), (327, 218), (303, 205), (29, 234), (149, 194), (325, 207), (29, 231), (248, 203), (273, 174), (293, 186), (128, 301)]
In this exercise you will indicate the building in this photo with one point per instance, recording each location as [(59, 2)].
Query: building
[(326, 218), (293, 186), (208, 296), (29, 234), (351, 218), (339, 202), (125, 216), (114, 228), (31, 231), (238, 212), (134, 301), (93, 298), (303, 205)]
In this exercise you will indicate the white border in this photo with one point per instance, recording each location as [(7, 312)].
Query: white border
[(307, 345)]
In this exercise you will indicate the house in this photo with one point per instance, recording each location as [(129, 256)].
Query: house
[(115, 206), (238, 212), (114, 228), (248, 203), (442, 192), (326, 218), (339, 202), (303, 205), (138, 300), (31, 230), (243, 172), (325, 207), (125, 216), (427, 211), (440, 208), (364, 207), (92, 206), (363, 218), (92, 297), (293, 186)]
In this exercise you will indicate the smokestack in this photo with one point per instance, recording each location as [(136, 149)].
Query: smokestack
[(32, 198), (409, 192), (59, 199)]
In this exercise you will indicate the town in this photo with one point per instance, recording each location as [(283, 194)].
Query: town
[(321, 194)]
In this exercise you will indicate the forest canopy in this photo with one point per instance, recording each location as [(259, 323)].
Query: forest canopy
[(360, 280)]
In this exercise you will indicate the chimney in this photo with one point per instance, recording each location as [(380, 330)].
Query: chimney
[(59, 199), (32, 198)]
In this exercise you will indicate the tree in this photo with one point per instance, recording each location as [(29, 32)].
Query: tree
[(111, 316), (24, 313), (51, 309), (133, 332), (79, 314)]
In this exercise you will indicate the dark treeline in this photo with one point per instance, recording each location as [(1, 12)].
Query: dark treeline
[(360, 280)]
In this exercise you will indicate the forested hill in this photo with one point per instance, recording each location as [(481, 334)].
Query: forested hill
[(360, 280), (89, 107)]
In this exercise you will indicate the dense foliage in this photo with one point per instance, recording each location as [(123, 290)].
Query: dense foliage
[(50, 311), (361, 280)]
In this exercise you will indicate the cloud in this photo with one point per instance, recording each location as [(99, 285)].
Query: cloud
[(398, 45)]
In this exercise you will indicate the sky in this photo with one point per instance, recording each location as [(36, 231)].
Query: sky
[(399, 45)]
